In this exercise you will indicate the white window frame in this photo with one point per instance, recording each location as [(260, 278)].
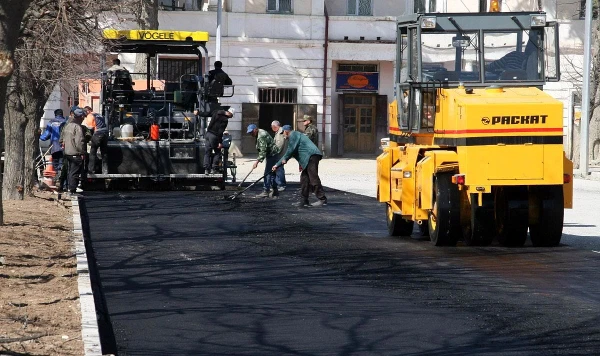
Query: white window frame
[(355, 10), (277, 9)]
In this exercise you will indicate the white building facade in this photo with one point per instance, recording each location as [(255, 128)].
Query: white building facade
[(333, 60)]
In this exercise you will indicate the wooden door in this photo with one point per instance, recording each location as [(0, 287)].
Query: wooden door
[(250, 115), (359, 123)]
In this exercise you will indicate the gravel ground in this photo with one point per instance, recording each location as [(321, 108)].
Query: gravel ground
[(357, 175)]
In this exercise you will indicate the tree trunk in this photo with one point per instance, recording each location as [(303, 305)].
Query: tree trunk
[(26, 99), (16, 122), (11, 15), (32, 150)]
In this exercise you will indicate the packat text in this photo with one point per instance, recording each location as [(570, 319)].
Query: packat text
[(519, 120)]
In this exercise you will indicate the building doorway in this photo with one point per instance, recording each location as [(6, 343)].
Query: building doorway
[(358, 122)]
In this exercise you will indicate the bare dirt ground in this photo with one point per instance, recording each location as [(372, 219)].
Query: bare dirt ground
[(39, 299)]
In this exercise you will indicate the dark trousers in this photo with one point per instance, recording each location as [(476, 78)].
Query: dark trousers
[(57, 161), (280, 176), (270, 176), (75, 171), (98, 141), (310, 181), (212, 154)]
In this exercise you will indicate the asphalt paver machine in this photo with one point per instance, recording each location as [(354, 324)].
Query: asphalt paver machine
[(475, 147), (157, 126)]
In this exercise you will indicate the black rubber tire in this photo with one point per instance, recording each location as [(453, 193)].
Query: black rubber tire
[(547, 232), (512, 215), (444, 218), (396, 225), (481, 230)]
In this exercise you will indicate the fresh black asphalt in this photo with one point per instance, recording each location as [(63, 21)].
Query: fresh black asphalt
[(190, 273)]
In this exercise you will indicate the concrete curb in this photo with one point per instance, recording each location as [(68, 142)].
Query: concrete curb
[(89, 321)]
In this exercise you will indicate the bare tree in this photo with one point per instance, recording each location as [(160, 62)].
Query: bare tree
[(55, 37), (11, 14)]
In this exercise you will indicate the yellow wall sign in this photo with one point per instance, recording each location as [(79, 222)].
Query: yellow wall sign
[(155, 35)]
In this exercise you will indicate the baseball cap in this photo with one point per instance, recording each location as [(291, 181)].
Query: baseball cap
[(287, 128), (74, 107), (231, 110), (251, 128), (78, 113)]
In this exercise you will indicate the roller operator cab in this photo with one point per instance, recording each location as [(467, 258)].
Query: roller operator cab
[(157, 123), (475, 146)]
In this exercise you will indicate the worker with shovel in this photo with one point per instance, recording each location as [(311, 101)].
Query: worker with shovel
[(267, 150), (308, 156)]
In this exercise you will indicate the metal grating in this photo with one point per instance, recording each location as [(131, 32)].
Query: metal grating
[(278, 95), (170, 70)]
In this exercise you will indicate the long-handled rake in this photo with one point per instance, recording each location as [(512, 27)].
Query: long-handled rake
[(235, 195), (246, 177)]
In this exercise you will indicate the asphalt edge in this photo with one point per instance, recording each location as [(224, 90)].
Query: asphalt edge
[(90, 334)]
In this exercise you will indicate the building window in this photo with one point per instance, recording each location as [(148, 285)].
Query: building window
[(582, 10), (357, 68), (278, 95), (360, 7), (171, 69), (279, 6)]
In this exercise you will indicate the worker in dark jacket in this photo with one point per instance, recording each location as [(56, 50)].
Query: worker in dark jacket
[(308, 156), (99, 139), (52, 132), (214, 139), (74, 142)]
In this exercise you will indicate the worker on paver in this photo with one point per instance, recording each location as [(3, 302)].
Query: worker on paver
[(99, 139), (281, 144), (267, 150), (308, 156), (214, 139)]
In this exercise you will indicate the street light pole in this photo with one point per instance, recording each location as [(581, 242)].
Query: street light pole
[(585, 98), (218, 44)]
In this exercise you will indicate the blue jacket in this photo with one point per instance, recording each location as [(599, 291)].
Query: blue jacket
[(301, 148), (52, 132)]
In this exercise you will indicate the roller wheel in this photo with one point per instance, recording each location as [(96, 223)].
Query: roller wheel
[(397, 226), (481, 231), (444, 218), (547, 231), (512, 216)]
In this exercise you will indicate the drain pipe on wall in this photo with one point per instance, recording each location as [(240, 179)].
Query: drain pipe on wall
[(325, 46)]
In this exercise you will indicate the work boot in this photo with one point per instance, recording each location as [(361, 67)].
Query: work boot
[(274, 194), (319, 203), (264, 194), (302, 204)]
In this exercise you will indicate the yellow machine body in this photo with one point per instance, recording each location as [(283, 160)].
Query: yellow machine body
[(472, 126)]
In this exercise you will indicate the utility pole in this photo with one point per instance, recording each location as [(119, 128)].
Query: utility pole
[(584, 123), (218, 44)]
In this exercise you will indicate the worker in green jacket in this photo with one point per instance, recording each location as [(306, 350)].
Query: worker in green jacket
[(269, 152), (308, 156)]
